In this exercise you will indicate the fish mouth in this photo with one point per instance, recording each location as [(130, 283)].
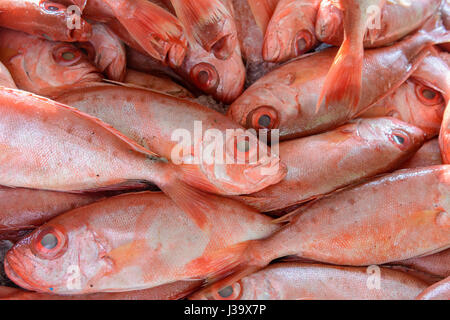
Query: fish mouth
[(15, 277)]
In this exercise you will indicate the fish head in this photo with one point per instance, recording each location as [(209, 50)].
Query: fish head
[(329, 23), (237, 162), (397, 135), (222, 79), (62, 23), (45, 67), (418, 104), (290, 33), (55, 258), (267, 105)]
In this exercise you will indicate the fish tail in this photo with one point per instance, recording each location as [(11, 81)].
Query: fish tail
[(229, 266), (210, 24), (343, 82), (156, 30)]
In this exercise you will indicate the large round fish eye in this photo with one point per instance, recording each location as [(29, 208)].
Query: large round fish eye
[(232, 292), (205, 76), (49, 243), (66, 55), (428, 96), (264, 117), (400, 139), (52, 7)]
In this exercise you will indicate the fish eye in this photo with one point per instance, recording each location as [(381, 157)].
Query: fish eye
[(205, 76), (52, 7), (303, 42), (49, 243), (400, 139), (232, 292), (264, 117), (428, 96), (66, 55)]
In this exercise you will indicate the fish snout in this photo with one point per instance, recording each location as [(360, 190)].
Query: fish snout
[(79, 30)]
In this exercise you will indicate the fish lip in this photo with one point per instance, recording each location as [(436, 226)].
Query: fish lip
[(14, 276)]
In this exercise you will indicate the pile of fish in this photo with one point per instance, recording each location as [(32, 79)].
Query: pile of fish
[(327, 125)]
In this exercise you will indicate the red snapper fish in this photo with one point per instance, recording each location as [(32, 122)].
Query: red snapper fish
[(304, 281), (438, 291), (286, 98), (351, 153), (129, 242)]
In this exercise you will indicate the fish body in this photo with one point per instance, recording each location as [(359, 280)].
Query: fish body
[(130, 242), (286, 98), (6, 79), (45, 67), (26, 209), (348, 155), (49, 20), (437, 264), (291, 30), (151, 119), (304, 281)]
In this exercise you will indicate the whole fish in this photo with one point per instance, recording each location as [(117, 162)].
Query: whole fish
[(262, 11), (291, 30), (438, 291), (129, 242), (109, 54), (210, 24), (62, 142), (394, 21), (436, 264), (286, 98), (150, 119), (45, 19), (428, 155), (343, 82), (157, 31), (160, 84), (6, 79), (171, 291), (348, 154), (303, 281), (392, 218), (26, 209), (44, 67)]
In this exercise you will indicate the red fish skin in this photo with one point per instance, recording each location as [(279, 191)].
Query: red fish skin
[(427, 156), (110, 53), (160, 84), (436, 264), (251, 40), (50, 20), (358, 226), (397, 20), (438, 291), (308, 281), (348, 153), (27, 208), (262, 11), (172, 291), (289, 94), (291, 30), (39, 66), (144, 248), (6, 79), (444, 136), (160, 114)]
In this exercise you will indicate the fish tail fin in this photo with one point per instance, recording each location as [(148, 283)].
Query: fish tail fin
[(156, 30), (343, 82), (210, 24), (228, 266)]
